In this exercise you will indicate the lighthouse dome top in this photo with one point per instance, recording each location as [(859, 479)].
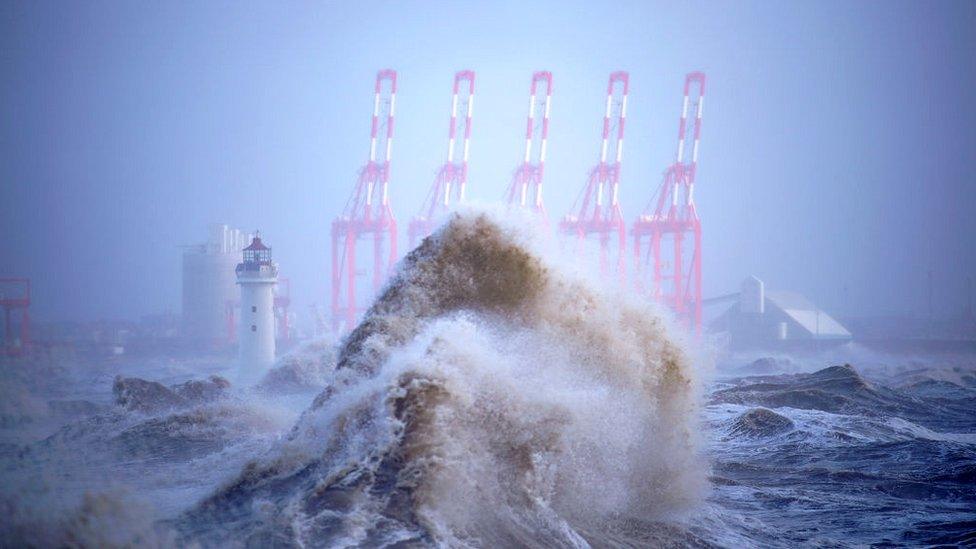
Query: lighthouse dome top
[(256, 255), (256, 245)]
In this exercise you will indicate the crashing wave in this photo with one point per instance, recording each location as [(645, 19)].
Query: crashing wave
[(485, 400), (309, 369)]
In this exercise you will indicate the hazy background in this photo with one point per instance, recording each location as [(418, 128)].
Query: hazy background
[(837, 147)]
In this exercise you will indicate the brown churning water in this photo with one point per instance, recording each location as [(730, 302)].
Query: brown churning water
[(486, 399)]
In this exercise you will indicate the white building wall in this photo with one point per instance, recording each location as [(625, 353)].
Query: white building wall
[(752, 296)]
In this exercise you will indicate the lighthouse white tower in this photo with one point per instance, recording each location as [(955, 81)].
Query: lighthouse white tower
[(257, 276)]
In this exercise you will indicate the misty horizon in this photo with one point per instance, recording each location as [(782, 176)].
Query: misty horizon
[(836, 157)]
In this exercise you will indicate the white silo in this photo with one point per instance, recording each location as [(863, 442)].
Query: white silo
[(257, 276), (209, 293)]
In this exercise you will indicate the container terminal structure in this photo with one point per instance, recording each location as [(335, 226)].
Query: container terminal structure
[(667, 236)]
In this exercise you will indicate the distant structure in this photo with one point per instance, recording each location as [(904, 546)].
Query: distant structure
[(452, 178), (257, 276), (209, 286), (367, 212), (599, 210), (970, 308), (525, 191), (15, 297), (676, 263), (777, 319)]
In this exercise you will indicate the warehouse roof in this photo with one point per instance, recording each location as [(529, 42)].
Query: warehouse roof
[(819, 324)]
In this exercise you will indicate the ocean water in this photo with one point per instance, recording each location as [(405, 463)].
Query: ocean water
[(494, 398), (834, 458)]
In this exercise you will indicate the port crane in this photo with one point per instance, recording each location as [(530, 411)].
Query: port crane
[(662, 231), (367, 212)]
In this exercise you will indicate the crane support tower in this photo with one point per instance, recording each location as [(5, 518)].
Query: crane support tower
[(676, 274), (15, 296), (598, 205), (449, 185), (367, 212), (525, 190)]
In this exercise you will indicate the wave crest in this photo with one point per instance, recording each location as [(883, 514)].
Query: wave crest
[(485, 399)]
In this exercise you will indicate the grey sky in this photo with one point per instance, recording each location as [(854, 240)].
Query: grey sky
[(837, 146)]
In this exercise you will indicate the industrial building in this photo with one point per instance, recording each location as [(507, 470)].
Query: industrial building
[(777, 319), (209, 286)]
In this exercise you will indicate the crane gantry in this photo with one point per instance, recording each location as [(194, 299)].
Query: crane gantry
[(367, 211), (676, 277)]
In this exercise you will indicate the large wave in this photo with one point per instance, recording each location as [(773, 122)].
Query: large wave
[(486, 399)]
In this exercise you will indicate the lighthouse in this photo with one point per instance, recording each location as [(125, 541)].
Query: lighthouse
[(256, 276)]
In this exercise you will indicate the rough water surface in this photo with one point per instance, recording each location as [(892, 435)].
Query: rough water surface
[(490, 398), (834, 458)]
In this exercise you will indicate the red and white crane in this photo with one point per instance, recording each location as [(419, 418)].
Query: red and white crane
[(676, 281), (525, 190), (599, 210), (453, 176), (367, 212)]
